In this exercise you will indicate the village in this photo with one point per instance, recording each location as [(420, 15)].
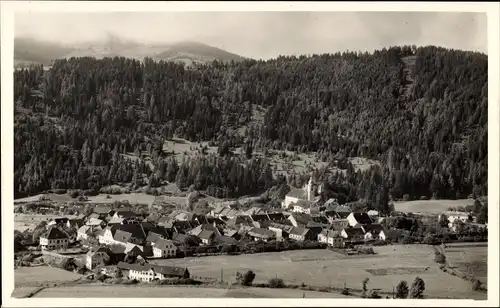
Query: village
[(116, 238)]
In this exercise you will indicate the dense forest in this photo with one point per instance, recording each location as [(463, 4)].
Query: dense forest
[(421, 111)]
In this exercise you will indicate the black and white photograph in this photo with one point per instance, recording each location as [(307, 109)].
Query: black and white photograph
[(244, 154)]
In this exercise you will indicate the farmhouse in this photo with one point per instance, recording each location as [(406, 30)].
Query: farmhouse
[(359, 219), (353, 234), (389, 234), (85, 232), (164, 248), (149, 272), (207, 236), (343, 211), (261, 234), (456, 216), (299, 219), (302, 234), (60, 222), (100, 256), (54, 238), (372, 231), (331, 238)]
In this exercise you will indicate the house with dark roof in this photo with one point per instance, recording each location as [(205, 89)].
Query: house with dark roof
[(353, 234), (331, 238), (130, 233), (299, 219), (301, 234), (179, 238), (182, 226), (372, 231), (261, 234), (60, 222), (276, 217), (359, 219), (281, 231), (54, 238), (150, 272), (207, 236), (339, 224), (97, 257), (343, 211), (125, 214)]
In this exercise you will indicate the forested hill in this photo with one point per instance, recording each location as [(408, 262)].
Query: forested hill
[(421, 111)]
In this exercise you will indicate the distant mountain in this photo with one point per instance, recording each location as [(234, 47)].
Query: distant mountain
[(28, 51), (195, 52)]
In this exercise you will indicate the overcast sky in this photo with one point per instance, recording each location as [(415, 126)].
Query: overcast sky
[(266, 34)]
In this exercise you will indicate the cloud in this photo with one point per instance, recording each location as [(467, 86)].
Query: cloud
[(266, 34)]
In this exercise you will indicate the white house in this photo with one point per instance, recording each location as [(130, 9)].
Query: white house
[(97, 257), (331, 238), (83, 233), (108, 236), (359, 219), (454, 216), (150, 272), (54, 238), (164, 248)]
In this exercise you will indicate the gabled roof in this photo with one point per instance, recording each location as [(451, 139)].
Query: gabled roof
[(330, 233), (94, 222), (135, 230), (276, 216), (362, 218), (299, 231), (179, 237), (125, 214), (261, 233), (300, 218), (84, 229), (225, 240), (54, 233), (354, 232), (99, 249), (161, 243), (373, 228), (102, 209), (260, 217), (206, 234)]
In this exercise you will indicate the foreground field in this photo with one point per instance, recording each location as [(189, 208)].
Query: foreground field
[(471, 261), (42, 276), (98, 291), (430, 206), (323, 268)]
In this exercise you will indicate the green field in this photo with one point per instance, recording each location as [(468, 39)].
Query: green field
[(323, 268)]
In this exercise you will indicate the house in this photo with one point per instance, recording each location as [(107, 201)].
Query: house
[(281, 231), (299, 219), (240, 220), (196, 231), (353, 234), (302, 206), (389, 234), (339, 224), (179, 238), (97, 257), (372, 231), (276, 217), (331, 238), (95, 222), (182, 226), (60, 222), (343, 211), (150, 272), (359, 219), (84, 232), (164, 248), (207, 236), (261, 234), (75, 222), (54, 238), (302, 234), (103, 212), (456, 216)]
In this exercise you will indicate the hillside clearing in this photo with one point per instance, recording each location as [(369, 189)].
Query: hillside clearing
[(430, 206)]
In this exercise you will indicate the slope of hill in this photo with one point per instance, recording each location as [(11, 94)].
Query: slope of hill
[(29, 51), (431, 137)]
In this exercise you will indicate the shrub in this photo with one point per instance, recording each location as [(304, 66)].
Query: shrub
[(276, 283), (402, 289), (245, 279), (373, 294), (440, 258), (476, 285), (345, 291), (417, 288)]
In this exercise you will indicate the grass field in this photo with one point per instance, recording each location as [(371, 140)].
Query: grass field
[(430, 206), (41, 275), (391, 265), (29, 221), (472, 261), (98, 291)]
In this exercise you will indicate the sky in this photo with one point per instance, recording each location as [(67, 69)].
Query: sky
[(263, 35)]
